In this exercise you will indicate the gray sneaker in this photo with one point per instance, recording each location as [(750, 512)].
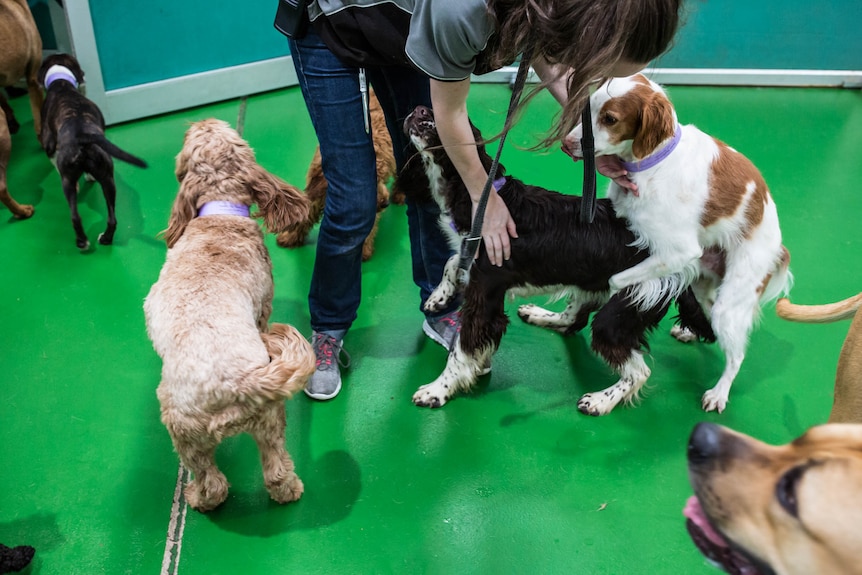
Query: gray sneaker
[(325, 382), (443, 329)]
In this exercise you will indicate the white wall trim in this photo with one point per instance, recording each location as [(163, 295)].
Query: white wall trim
[(193, 90), (724, 77), (164, 96)]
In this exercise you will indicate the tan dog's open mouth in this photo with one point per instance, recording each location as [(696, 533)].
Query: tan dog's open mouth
[(710, 542)]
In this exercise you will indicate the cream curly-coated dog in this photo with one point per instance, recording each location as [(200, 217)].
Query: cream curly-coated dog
[(224, 370)]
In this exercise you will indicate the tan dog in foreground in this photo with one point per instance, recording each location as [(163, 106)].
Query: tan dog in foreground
[(316, 185), (794, 509), (20, 57)]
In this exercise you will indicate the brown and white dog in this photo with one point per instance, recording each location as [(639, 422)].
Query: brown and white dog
[(316, 185), (794, 509), (73, 137), (554, 253), (701, 208), (224, 370), (20, 58)]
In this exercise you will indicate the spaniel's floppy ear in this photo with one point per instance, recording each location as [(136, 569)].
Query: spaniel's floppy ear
[(182, 163), (183, 211), (279, 203), (657, 125)]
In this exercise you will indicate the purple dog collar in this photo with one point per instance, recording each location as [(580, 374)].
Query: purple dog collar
[(655, 159), (57, 72), (499, 183), (223, 208)]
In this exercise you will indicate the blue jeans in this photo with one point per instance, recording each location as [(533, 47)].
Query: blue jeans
[(331, 92)]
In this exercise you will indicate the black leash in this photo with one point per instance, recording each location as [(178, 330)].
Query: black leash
[(470, 244), (588, 204)]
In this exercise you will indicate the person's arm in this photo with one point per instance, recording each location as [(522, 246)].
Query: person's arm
[(449, 101), (557, 76)]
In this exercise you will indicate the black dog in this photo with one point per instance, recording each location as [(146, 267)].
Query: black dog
[(73, 136), (553, 253)]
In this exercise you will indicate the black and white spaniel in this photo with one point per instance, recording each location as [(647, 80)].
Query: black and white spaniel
[(554, 253)]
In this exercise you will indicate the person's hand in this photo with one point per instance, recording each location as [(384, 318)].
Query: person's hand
[(497, 226), (612, 167)]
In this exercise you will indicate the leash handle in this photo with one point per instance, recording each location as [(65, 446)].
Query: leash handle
[(470, 244), (588, 147)]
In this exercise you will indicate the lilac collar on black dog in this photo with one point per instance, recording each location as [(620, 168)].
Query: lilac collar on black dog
[(499, 183), (223, 208), (655, 159), (57, 72)]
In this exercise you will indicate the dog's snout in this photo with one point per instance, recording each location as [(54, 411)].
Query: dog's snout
[(571, 144), (704, 443), (422, 113)]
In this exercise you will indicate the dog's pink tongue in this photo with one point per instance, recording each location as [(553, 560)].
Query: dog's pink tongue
[(694, 511), (566, 150)]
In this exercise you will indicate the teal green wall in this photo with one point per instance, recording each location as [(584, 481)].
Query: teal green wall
[(767, 34), (140, 42)]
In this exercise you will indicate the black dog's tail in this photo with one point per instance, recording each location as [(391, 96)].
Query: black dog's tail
[(104, 143)]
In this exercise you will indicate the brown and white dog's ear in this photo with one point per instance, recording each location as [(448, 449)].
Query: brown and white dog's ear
[(279, 204), (657, 125)]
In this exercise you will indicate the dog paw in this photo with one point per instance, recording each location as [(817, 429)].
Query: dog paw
[(528, 312), (290, 239), (714, 401), (438, 300), (592, 404), (23, 212), (683, 334), (540, 317), (206, 496), (288, 490), (105, 239), (430, 396), (603, 402)]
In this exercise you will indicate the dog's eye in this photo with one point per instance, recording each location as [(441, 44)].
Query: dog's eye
[(786, 488), (609, 119)]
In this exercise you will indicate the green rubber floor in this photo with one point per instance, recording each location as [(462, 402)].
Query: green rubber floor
[(510, 479)]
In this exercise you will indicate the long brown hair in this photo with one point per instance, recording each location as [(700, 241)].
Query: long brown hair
[(588, 36)]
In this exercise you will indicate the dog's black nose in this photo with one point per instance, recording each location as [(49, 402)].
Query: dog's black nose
[(422, 113), (704, 443)]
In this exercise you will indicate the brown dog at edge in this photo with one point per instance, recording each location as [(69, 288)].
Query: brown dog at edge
[(316, 185), (20, 57), (793, 509)]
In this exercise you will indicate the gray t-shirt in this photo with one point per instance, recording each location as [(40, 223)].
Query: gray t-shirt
[(445, 36)]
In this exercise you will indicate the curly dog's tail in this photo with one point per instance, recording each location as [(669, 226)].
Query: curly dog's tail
[(291, 363)]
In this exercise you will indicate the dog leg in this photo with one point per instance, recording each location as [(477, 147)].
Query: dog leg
[(109, 190), (571, 320), (446, 289), (368, 244), (70, 190), (692, 323), (315, 188), (654, 267), (11, 122), (281, 481), (459, 375), (633, 375), (732, 322), (209, 487), (37, 98), (20, 211)]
